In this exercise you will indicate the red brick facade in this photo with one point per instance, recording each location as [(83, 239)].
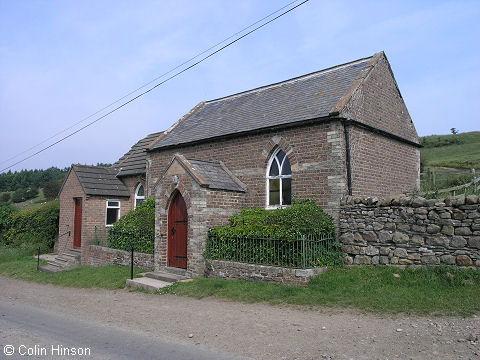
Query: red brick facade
[(382, 166), (94, 210)]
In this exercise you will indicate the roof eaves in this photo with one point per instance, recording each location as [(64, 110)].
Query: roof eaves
[(253, 131), (151, 146), (187, 165), (234, 178)]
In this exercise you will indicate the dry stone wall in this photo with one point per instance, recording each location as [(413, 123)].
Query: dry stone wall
[(411, 231), (287, 276)]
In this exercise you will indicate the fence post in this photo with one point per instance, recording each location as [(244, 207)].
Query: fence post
[(38, 258), (303, 251), (131, 265)]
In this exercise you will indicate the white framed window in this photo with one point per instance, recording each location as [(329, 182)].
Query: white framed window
[(139, 195), (113, 212), (279, 181)]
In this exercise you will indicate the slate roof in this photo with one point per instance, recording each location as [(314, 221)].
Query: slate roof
[(100, 181), (216, 174), (304, 98), (134, 161)]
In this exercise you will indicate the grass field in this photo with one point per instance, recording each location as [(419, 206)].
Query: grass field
[(454, 151), (20, 264), (426, 291)]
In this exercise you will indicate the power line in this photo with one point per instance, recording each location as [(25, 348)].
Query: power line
[(146, 84), (157, 85)]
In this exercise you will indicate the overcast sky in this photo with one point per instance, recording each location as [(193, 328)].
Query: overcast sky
[(61, 61)]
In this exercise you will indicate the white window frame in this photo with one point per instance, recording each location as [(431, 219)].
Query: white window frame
[(119, 207), (280, 177), (137, 197)]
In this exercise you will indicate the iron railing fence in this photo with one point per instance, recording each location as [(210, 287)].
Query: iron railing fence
[(306, 251)]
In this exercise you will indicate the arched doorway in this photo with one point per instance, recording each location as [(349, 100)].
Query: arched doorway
[(177, 232)]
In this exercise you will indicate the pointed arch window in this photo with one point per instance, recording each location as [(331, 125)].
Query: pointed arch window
[(139, 195), (279, 180)]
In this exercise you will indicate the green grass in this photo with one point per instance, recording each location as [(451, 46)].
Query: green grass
[(426, 291), (35, 205), (454, 151), (20, 264)]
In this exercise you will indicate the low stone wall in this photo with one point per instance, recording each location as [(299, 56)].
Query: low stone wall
[(234, 270), (99, 255), (411, 231)]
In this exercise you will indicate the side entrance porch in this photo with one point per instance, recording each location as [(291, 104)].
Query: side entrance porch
[(191, 197)]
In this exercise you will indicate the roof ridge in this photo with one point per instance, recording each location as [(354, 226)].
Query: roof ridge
[(314, 73), (95, 166), (348, 94)]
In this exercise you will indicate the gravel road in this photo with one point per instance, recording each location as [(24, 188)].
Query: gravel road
[(258, 330)]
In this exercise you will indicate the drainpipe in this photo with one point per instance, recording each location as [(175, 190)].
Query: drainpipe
[(346, 127)]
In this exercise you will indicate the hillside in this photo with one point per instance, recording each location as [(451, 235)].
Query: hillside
[(453, 151)]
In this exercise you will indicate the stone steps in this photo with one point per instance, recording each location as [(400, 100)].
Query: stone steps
[(153, 281), (164, 276), (69, 259), (147, 283)]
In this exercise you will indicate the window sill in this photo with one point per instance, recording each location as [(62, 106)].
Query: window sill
[(274, 207)]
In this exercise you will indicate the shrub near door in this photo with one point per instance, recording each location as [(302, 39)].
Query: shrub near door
[(137, 228)]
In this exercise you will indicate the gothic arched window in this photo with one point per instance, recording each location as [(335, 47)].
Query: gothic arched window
[(279, 180), (139, 195)]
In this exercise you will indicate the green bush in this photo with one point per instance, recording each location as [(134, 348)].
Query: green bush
[(304, 219), (29, 227), (135, 228)]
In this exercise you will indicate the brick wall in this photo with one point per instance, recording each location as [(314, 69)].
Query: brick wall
[(94, 210), (378, 103), (70, 190), (382, 166), (98, 256), (316, 153)]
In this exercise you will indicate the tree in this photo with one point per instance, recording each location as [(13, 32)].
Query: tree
[(52, 188), (19, 195), (454, 131), (5, 197)]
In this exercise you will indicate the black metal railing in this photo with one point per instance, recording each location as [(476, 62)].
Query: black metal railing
[(305, 251)]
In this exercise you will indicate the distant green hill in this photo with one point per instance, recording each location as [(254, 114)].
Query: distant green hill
[(454, 151)]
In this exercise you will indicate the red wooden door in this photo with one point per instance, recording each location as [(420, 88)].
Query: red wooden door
[(77, 225), (177, 233)]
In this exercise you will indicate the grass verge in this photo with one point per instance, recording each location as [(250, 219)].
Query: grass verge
[(427, 291), (19, 264)]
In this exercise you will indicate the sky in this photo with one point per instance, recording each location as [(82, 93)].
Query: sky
[(61, 61)]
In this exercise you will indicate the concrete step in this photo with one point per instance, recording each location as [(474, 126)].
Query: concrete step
[(147, 283), (164, 276), (49, 268), (174, 270)]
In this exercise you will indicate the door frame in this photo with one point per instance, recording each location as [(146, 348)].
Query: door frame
[(77, 222), (176, 197)]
